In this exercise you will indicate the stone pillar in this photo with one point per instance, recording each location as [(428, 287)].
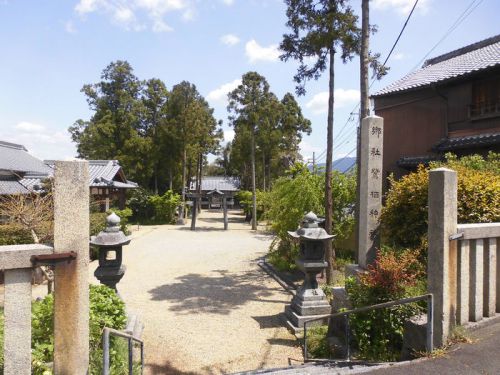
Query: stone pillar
[(71, 294), (476, 281), (490, 277), (370, 188), (17, 330), (463, 282), (442, 224)]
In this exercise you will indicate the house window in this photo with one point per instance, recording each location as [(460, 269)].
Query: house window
[(485, 98)]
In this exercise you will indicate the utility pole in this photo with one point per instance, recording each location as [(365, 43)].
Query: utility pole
[(314, 162), (364, 107)]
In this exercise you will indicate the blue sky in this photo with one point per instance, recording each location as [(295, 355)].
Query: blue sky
[(51, 48)]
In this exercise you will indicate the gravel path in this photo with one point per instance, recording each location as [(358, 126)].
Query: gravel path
[(206, 305)]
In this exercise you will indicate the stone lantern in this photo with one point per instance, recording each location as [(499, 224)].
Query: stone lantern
[(310, 300), (110, 242)]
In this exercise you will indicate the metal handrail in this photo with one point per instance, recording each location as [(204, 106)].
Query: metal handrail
[(404, 301), (105, 348)]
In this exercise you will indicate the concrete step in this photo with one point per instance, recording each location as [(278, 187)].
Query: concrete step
[(329, 368)]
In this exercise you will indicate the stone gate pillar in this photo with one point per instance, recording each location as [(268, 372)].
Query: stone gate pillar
[(71, 293)]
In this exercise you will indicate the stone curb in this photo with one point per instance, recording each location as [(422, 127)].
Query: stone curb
[(285, 282)]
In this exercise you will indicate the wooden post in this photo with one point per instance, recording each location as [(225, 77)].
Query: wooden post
[(224, 208), (71, 293), (194, 213)]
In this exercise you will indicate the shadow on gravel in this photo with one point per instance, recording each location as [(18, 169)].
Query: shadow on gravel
[(283, 342), (269, 321), (218, 294), (165, 369)]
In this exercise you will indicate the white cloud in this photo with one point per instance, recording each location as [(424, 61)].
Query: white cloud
[(398, 56), (219, 95), (230, 39), (402, 6), (319, 103), (228, 2), (42, 141), (69, 27), (130, 14), (228, 135), (307, 149), (255, 52), (30, 127)]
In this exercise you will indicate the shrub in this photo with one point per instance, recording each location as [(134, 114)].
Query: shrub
[(378, 334), (106, 309), (138, 201), (404, 216), (303, 191), (14, 234), (317, 342), (165, 206)]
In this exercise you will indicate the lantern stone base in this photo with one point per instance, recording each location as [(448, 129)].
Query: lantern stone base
[(307, 304)]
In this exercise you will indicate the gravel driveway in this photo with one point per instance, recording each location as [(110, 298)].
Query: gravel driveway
[(206, 305)]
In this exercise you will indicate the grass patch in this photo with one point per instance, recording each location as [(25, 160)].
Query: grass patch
[(317, 342)]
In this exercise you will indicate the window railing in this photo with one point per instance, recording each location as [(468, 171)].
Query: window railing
[(481, 110)]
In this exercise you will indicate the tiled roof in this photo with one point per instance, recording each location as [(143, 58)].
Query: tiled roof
[(461, 62), (410, 162), (15, 158), (102, 174), (209, 183), (10, 185), (476, 141)]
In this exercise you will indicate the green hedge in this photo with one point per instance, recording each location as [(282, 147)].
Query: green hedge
[(13, 234), (404, 216)]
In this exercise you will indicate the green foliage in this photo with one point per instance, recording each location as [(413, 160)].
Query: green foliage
[(298, 193), (165, 206), (378, 334), (404, 217), (14, 234), (147, 128), (106, 310), (317, 342), (138, 202)]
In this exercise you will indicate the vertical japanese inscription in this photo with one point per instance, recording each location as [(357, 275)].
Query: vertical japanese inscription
[(371, 177)]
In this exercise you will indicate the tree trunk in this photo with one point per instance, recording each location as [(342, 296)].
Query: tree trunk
[(170, 178), (330, 254), (254, 197), (364, 109), (263, 171), (183, 192), (156, 181), (198, 181)]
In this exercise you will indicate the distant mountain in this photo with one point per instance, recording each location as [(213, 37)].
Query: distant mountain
[(342, 165)]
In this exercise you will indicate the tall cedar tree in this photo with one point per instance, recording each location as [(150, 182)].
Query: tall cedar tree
[(320, 29), (248, 106)]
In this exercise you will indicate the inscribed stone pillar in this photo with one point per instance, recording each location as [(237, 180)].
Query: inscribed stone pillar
[(71, 294), (17, 330), (370, 188), (442, 224)]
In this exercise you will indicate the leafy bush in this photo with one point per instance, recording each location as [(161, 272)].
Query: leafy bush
[(106, 309), (14, 234), (138, 201), (378, 334), (404, 217), (97, 222), (303, 191), (244, 197), (317, 342), (165, 206)]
